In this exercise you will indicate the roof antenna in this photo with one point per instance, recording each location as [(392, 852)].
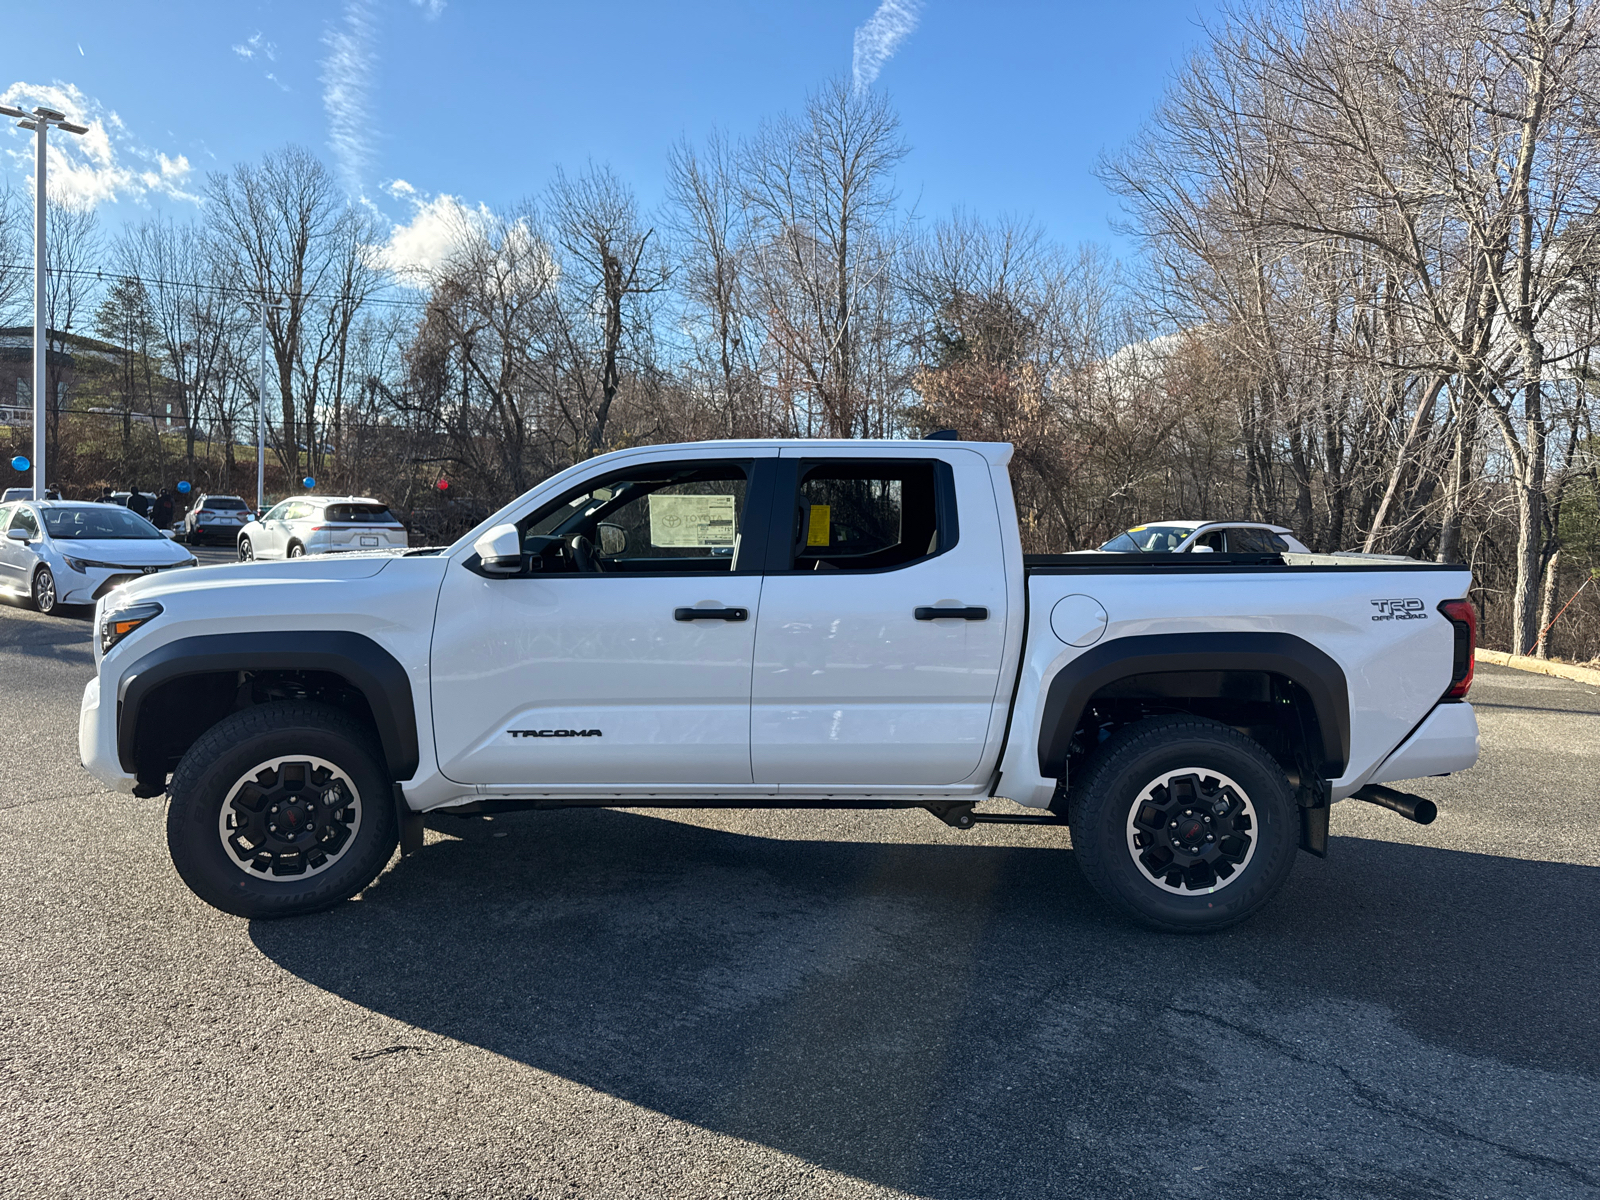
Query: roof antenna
[(943, 435)]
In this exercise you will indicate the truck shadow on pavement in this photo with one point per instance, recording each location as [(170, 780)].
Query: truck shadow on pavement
[(968, 1020)]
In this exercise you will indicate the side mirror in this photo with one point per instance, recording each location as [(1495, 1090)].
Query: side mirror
[(17, 535), (1201, 550), (500, 550), (169, 533), (613, 539)]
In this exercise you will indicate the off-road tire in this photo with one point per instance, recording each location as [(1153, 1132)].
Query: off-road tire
[(42, 595), (222, 757), (1102, 794)]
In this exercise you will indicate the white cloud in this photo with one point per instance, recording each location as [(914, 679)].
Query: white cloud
[(106, 164), (255, 44), (347, 91), (439, 228), (430, 8), (880, 37)]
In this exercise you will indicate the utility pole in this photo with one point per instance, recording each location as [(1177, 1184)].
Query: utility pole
[(261, 408), (39, 122)]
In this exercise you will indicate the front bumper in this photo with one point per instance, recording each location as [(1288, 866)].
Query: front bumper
[(97, 739)]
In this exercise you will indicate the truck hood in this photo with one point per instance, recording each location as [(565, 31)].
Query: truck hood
[(312, 569)]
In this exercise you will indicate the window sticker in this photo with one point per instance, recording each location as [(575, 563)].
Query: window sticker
[(691, 521), (818, 531)]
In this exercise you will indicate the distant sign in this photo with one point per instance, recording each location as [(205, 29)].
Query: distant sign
[(691, 520), (183, 487), (19, 463)]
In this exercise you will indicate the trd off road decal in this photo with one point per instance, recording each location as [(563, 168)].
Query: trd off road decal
[(527, 733), (1408, 609)]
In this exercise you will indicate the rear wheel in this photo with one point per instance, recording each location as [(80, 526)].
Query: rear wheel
[(296, 550), (281, 809), (1183, 824), (44, 590), (247, 552)]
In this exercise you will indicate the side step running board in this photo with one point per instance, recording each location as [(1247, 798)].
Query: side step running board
[(1412, 808)]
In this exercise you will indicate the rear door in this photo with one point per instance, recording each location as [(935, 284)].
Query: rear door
[(274, 532), (882, 625)]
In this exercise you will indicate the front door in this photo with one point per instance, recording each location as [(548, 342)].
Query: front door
[(882, 628), (622, 652)]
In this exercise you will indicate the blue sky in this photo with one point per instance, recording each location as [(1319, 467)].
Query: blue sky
[(1006, 105)]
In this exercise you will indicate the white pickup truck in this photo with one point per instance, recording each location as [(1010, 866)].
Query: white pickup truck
[(780, 623)]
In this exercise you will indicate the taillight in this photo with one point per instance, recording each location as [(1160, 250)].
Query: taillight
[(1464, 619)]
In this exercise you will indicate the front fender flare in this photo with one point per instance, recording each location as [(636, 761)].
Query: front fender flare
[(368, 667)]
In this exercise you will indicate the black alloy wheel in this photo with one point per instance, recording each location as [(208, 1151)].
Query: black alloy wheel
[(247, 552), (281, 809), (1182, 823)]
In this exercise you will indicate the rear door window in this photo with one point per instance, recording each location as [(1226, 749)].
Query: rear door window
[(870, 515)]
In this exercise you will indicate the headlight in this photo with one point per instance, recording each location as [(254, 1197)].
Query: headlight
[(115, 626), (80, 565)]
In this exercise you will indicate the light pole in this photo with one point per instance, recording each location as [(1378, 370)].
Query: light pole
[(39, 121), (261, 407)]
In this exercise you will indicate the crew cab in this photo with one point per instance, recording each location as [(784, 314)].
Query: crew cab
[(780, 623)]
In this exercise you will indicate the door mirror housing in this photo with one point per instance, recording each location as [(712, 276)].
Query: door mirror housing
[(17, 535), (1201, 550), (613, 539), (500, 550)]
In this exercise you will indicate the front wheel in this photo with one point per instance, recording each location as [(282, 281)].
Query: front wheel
[(1184, 824), (281, 809), (247, 552), (44, 591)]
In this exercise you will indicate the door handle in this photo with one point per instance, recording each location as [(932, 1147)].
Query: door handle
[(945, 614), (711, 614)]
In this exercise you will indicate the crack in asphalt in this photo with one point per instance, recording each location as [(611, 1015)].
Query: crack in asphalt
[(1379, 1102)]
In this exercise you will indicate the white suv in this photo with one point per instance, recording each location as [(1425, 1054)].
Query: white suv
[(215, 518), (1217, 537), (322, 525)]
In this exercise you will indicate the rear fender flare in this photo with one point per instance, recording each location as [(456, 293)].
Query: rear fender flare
[(367, 666), (1274, 653)]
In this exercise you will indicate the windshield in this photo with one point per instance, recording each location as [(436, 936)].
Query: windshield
[(1150, 539), (97, 521)]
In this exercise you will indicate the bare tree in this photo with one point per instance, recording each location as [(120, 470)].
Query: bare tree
[(613, 266), (286, 236), (819, 188)]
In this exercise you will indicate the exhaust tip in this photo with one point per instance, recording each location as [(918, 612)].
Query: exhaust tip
[(1412, 808)]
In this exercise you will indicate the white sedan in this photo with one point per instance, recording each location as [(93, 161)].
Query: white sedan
[(322, 525), (67, 552)]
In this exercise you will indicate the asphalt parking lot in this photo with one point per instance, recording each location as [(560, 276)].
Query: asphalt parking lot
[(621, 1004)]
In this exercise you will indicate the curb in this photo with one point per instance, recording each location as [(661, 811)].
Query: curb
[(1539, 666)]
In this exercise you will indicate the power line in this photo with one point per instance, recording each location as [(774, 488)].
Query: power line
[(252, 294)]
